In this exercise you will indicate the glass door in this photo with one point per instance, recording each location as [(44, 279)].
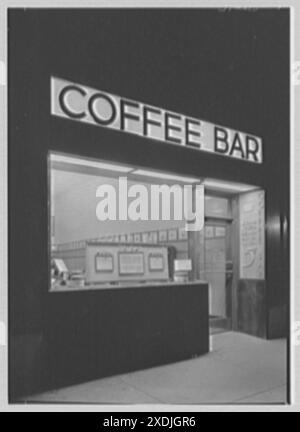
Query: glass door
[(218, 273)]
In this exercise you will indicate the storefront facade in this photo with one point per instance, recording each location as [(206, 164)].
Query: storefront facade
[(116, 56)]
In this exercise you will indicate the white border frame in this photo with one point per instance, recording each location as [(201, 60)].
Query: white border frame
[(295, 206)]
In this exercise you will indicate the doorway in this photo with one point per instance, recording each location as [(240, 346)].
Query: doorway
[(218, 271)]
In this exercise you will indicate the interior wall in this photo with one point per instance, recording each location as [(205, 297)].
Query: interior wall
[(75, 201)]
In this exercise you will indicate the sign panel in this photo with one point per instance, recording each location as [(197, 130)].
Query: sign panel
[(131, 263), (182, 265), (104, 262), (252, 235), (81, 103), (156, 262)]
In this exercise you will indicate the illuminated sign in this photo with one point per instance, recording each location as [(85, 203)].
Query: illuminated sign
[(81, 103)]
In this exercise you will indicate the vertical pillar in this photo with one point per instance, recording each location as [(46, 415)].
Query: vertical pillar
[(196, 249)]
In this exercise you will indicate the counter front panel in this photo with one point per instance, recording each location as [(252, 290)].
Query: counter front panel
[(116, 331)]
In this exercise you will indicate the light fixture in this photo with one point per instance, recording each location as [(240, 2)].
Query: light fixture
[(89, 163), (164, 176), (227, 186)]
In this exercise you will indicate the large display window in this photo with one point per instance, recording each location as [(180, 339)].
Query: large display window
[(107, 230), (104, 238)]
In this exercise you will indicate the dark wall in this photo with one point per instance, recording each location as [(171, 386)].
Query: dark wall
[(226, 66), (97, 333)]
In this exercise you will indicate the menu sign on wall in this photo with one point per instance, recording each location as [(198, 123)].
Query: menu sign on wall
[(104, 262), (252, 235), (131, 263)]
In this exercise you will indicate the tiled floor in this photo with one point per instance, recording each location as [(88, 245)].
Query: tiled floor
[(239, 369)]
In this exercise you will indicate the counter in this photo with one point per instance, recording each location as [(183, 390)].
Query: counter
[(77, 288), (93, 333)]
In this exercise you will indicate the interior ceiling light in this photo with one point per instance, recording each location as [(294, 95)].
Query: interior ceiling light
[(90, 163), (164, 176), (227, 186)]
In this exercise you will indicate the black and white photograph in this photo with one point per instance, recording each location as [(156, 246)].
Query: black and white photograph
[(149, 206)]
